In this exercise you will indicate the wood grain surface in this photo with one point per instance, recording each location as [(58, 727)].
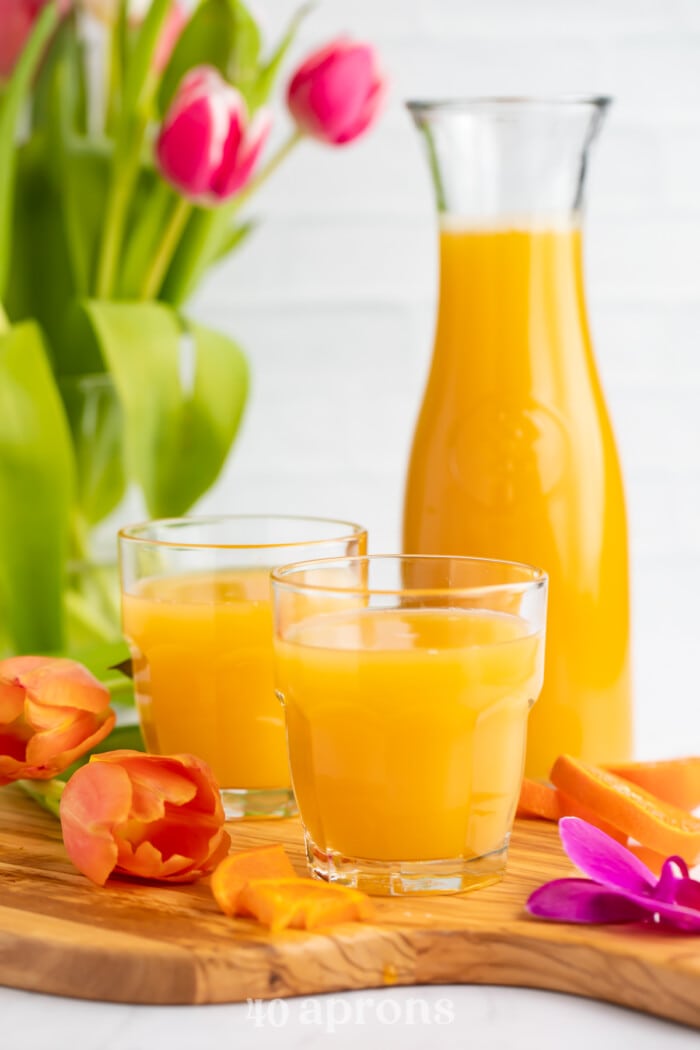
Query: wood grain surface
[(138, 943)]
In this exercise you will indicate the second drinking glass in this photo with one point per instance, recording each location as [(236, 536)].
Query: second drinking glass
[(196, 609), (407, 683)]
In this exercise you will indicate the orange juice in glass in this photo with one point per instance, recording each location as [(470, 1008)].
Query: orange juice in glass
[(406, 695), (197, 614)]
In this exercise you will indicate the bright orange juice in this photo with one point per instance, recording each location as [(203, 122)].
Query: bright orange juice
[(202, 649), (514, 458), (406, 728)]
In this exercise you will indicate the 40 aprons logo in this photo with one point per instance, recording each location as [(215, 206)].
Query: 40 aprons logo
[(332, 1012)]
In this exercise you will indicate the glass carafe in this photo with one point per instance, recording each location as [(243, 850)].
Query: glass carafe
[(513, 455)]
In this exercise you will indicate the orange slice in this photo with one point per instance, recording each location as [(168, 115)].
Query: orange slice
[(542, 801), (538, 800), (302, 904), (674, 780), (232, 874), (658, 825)]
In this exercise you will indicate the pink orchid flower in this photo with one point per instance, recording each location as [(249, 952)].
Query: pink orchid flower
[(145, 815), (51, 712), (336, 93), (207, 147), (619, 887)]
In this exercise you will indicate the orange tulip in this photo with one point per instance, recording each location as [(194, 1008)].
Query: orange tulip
[(144, 815), (51, 712)]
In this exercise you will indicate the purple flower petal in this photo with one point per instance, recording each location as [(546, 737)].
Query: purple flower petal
[(620, 888), (603, 859), (679, 916), (688, 894), (580, 900), (673, 874)]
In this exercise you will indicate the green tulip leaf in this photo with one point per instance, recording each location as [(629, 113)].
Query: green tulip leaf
[(269, 71), (10, 110), (182, 390), (85, 174), (36, 488), (59, 97), (205, 40), (232, 238), (244, 56), (140, 74), (220, 33), (40, 282), (59, 118), (60, 199)]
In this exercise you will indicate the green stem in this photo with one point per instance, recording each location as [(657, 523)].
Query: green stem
[(140, 84), (267, 170), (207, 228), (171, 239), (47, 793), (118, 51), (117, 209), (11, 103), (4, 322)]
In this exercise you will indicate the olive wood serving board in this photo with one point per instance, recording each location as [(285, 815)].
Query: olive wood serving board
[(138, 943)]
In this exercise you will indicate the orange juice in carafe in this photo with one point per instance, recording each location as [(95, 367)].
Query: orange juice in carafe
[(514, 458)]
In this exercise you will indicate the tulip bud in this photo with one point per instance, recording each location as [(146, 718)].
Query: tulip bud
[(144, 815), (207, 148), (51, 712), (336, 93)]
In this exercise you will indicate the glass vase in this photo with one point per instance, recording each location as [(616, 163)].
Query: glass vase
[(102, 504), (514, 455)]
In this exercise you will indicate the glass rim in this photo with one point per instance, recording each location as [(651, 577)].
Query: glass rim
[(435, 107), (130, 533), (280, 576)]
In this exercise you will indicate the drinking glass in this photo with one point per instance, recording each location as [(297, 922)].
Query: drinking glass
[(197, 614), (406, 683)]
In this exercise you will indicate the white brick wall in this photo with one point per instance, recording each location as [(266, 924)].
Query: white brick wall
[(333, 298)]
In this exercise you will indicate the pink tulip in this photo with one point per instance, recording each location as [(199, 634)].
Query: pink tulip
[(16, 20), (207, 148), (336, 93)]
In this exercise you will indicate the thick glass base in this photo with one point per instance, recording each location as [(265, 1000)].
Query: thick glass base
[(387, 878), (258, 803)]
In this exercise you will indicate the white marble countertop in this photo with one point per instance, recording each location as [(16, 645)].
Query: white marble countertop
[(453, 1016)]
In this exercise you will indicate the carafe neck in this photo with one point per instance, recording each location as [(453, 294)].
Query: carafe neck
[(509, 162)]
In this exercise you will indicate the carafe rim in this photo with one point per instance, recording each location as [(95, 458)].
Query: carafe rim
[(422, 107)]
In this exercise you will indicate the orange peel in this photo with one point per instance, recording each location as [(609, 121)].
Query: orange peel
[(653, 823), (235, 871)]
